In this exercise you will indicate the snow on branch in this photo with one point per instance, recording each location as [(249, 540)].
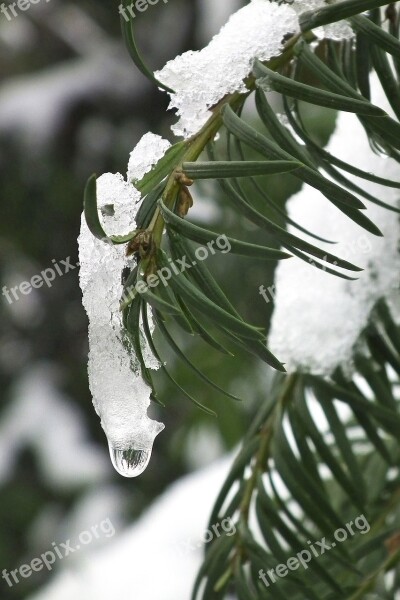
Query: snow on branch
[(319, 318), (200, 79)]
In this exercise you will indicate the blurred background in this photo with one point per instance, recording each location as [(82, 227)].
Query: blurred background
[(72, 103)]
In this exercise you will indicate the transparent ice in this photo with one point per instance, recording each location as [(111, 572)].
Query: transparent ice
[(129, 463)]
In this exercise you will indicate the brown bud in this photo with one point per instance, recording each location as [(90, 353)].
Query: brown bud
[(185, 202), (141, 244), (132, 247), (183, 179)]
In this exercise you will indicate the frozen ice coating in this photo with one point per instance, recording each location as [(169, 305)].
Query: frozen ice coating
[(202, 78), (117, 200), (150, 149), (318, 317), (120, 396)]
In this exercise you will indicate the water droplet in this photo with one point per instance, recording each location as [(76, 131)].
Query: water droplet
[(265, 84), (131, 462), (282, 118)]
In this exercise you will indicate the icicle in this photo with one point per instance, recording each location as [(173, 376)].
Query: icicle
[(120, 395)]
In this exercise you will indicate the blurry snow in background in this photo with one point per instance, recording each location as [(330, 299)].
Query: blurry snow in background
[(158, 557), (41, 417)]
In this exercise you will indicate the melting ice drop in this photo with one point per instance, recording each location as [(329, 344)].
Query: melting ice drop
[(130, 462), (121, 397)]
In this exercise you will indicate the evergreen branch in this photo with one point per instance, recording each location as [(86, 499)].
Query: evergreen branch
[(325, 502), (339, 11)]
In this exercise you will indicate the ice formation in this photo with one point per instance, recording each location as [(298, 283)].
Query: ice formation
[(318, 317), (118, 204), (120, 396), (200, 79), (150, 149)]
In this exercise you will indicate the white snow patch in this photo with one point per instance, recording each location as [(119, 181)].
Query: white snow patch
[(150, 149), (202, 78), (318, 317), (113, 191)]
